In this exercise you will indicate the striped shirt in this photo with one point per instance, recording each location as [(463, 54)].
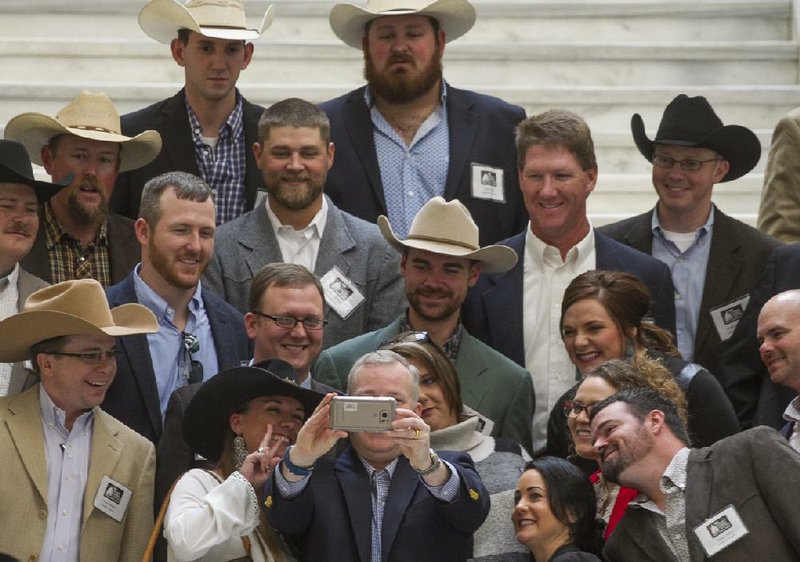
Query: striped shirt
[(69, 259)]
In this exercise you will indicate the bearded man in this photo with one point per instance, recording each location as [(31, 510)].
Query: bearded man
[(199, 334), (79, 238), (407, 135), (297, 224)]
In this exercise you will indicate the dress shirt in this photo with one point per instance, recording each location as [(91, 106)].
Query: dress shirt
[(451, 345), (299, 247), (9, 299), (411, 174), (671, 524), (544, 279), (67, 454), (222, 165), (69, 259), (166, 345), (688, 267), (792, 414)]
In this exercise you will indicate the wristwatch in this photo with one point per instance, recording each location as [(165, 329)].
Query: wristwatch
[(435, 464)]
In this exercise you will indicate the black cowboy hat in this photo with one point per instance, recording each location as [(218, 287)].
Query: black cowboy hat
[(15, 167), (692, 122), (206, 420)]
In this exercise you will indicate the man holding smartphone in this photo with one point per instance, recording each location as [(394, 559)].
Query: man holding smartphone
[(388, 496)]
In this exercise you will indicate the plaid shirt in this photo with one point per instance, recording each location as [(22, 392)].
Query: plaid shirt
[(69, 260), (452, 344), (223, 166)]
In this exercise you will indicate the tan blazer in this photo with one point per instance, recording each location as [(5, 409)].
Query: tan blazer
[(779, 213), (23, 378), (117, 452)]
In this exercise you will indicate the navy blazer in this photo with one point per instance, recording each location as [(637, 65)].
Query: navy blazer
[(133, 396), (332, 518), (755, 398), (170, 119), (481, 131), (493, 309)]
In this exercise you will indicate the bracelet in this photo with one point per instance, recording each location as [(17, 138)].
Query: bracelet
[(293, 468), (435, 464)]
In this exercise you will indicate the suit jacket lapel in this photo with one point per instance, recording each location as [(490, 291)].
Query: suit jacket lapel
[(357, 121), (640, 236), (26, 284), (177, 137), (221, 330), (25, 428), (252, 175), (353, 480), (462, 126), (124, 249), (503, 306), (470, 367), (106, 451), (335, 242), (699, 483), (258, 236), (401, 492)]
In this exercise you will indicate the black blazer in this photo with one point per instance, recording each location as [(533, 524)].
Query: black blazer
[(481, 131), (170, 119), (493, 309), (736, 260), (133, 396)]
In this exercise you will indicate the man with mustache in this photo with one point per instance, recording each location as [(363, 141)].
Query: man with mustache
[(199, 334), (727, 502), (440, 260), (20, 196), (298, 224), (407, 135), (80, 238)]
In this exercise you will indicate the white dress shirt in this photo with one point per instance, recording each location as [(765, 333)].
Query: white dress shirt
[(300, 247)]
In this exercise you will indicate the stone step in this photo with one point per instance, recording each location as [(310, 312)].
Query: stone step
[(485, 64)]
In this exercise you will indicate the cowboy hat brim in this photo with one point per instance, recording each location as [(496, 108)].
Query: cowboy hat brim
[(455, 18), (161, 20), (206, 420), (34, 130), (20, 331), (738, 145), (494, 259), (44, 190)]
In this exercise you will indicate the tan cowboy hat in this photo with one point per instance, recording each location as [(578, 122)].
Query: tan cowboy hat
[(90, 116), (446, 227), (455, 17), (70, 308), (220, 19)]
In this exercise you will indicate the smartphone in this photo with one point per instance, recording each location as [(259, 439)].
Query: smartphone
[(362, 413)]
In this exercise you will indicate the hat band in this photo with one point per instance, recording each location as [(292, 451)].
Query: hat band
[(444, 241), (93, 128)]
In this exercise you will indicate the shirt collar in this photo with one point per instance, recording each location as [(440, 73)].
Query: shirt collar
[(390, 468), (542, 253), (317, 223), (54, 416), (232, 125), (656, 227), (792, 412), (11, 278), (157, 305), (54, 232), (369, 98)]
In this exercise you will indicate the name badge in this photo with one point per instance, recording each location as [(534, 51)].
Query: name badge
[(487, 183), (341, 294), (726, 317), (485, 425), (720, 530), (112, 498)]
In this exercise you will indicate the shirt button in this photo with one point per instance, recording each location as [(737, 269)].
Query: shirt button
[(411, 194), (64, 512), (61, 547)]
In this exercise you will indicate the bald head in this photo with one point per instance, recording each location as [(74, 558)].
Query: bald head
[(779, 338)]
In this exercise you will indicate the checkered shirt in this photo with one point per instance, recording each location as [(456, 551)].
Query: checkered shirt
[(69, 259)]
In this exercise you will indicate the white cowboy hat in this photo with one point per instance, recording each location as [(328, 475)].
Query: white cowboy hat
[(70, 308), (455, 17), (91, 116), (220, 19), (446, 227)]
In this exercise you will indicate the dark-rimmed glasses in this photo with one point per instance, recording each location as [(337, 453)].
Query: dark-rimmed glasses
[(574, 408), (687, 165), (89, 357), (289, 322), (192, 368)]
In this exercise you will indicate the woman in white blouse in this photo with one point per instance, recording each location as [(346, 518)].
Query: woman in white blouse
[(243, 419)]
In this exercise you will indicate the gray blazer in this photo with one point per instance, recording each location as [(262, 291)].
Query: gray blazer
[(23, 378), (243, 246)]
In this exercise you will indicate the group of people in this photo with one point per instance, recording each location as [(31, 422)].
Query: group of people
[(182, 304)]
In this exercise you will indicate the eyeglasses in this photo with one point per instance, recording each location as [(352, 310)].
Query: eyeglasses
[(687, 165), (410, 337), (289, 322), (573, 407), (192, 368), (89, 357)]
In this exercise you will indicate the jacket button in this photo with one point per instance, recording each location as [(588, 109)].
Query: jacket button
[(42, 514), (33, 557)]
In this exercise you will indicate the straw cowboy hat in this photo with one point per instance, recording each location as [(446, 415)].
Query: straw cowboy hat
[(90, 116), (220, 19), (446, 227), (348, 22), (692, 122), (15, 167), (70, 308), (206, 420)]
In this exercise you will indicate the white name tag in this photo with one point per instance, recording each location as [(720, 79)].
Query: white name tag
[(112, 498), (726, 317), (485, 425), (720, 530), (487, 183), (341, 294)]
